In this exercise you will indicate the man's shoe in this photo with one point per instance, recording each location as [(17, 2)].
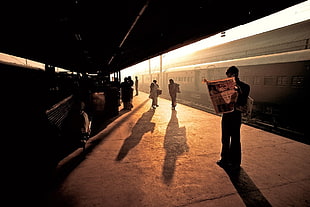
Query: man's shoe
[(222, 163)]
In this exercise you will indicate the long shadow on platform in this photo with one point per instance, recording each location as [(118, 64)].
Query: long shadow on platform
[(248, 191), (73, 160), (175, 144), (142, 126)]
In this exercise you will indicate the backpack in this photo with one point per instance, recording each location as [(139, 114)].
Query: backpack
[(178, 88)]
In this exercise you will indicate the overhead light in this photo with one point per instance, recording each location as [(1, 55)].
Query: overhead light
[(78, 37)]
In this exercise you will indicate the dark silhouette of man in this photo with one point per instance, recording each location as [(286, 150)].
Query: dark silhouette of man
[(173, 90), (137, 85), (231, 123)]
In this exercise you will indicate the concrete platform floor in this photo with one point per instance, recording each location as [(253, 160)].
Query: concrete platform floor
[(162, 157)]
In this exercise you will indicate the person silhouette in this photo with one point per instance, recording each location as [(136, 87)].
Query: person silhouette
[(154, 94), (173, 90), (231, 123)]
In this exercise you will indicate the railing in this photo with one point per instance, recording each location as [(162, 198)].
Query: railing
[(59, 112)]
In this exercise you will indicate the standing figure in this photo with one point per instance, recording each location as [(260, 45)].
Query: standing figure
[(173, 90), (137, 85), (231, 123), (154, 93)]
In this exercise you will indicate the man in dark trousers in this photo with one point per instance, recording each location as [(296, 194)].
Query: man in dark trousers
[(173, 90), (137, 85), (231, 123)]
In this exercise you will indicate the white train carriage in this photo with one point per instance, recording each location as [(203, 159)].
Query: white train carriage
[(276, 64)]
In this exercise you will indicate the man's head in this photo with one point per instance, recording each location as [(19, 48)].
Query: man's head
[(232, 71)]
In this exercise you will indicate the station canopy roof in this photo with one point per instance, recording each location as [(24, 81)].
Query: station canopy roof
[(110, 35)]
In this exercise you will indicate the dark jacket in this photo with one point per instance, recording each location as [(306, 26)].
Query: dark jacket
[(243, 92)]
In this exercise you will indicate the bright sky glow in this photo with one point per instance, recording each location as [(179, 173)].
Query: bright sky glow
[(291, 15)]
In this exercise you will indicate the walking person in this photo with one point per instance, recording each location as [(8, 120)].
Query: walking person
[(231, 123), (154, 87), (174, 88), (137, 85)]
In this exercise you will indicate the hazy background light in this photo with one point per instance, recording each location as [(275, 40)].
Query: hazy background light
[(288, 16), (14, 60), (294, 14)]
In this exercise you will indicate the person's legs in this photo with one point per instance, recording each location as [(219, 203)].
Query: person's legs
[(154, 102), (173, 102), (235, 145), (137, 91), (235, 151), (225, 142)]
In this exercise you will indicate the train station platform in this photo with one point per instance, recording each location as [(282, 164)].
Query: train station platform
[(164, 157)]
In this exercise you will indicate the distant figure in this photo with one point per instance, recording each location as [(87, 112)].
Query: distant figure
[(137, 85), (154, 94), (174, 88), (231, 123)]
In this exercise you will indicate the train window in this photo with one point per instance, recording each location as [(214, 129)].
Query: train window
[(257, 80), (298, 81), (268, 80), (249, 80), (282, 81)]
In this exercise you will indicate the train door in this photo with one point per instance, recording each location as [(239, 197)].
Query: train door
[(205, 97), (197, 81), (165, 83)]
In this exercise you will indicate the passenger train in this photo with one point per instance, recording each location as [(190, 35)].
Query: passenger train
[(276, 65)]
